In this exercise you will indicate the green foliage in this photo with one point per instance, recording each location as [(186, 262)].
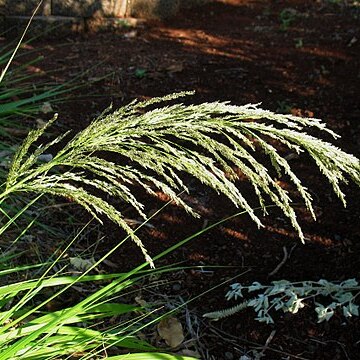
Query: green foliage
[(287, 18), (24, 92), (299, 43), (29, 331), (18, 94), (140, 73), (284, 107), (291, 297)]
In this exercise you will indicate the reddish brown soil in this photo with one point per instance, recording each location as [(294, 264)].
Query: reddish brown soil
[(238, 50)]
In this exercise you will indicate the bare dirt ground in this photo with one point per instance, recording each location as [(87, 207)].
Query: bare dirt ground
[(292, 56)]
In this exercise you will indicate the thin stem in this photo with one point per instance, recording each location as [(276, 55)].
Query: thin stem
[(20, 42)]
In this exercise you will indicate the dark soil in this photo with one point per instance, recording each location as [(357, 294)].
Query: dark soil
[(244, 51)]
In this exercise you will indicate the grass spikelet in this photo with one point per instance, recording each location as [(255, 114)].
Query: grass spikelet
[(206, 141)]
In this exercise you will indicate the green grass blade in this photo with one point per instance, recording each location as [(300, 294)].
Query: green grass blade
[(19, 42), (150, 356), (92, 313)]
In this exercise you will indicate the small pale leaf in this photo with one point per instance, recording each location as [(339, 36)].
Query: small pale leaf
[(82, 264), (46, 108), (170, 330)]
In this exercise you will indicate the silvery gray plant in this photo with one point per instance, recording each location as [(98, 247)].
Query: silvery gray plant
[(290, 297)]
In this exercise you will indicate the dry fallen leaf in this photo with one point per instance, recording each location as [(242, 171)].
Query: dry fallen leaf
[(140, 301), (175, 68), (46, 108), (190, 353), (82, 264), (170, 330)]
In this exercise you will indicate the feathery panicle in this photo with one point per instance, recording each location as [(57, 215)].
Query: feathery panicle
[(206, 141)]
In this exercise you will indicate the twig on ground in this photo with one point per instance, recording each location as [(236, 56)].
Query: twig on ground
[(205, 224), (283, 261), (267, 342), (139, 222)]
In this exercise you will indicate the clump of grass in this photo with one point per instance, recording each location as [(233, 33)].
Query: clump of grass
[(29, 330), (207, 141)]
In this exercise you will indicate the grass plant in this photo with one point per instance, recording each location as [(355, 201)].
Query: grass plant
[(151, 145), (29, 331), (155, 147), (8, 91), (159, 144), (25, 93)]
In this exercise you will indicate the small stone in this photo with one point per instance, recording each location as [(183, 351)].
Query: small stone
[(337, 237), (229, 355)]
